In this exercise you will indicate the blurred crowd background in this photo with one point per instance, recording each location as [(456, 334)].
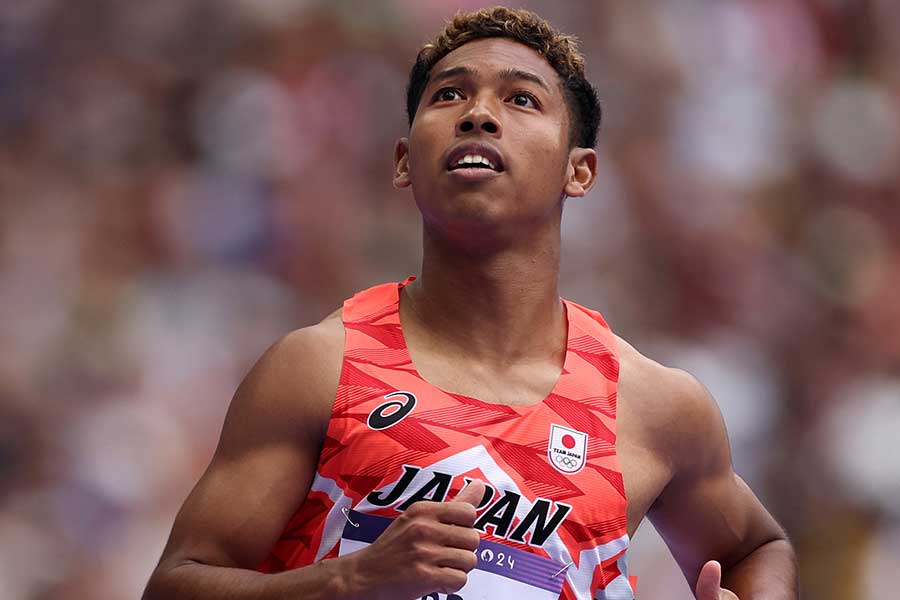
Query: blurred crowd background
[(184, 181)]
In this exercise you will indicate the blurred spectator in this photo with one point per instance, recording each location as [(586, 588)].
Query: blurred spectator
[(184, 181)]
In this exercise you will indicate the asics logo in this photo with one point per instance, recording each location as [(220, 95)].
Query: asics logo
[(390, 413)]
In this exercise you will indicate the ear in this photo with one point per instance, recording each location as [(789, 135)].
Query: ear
[(401, 164), (581, 172)]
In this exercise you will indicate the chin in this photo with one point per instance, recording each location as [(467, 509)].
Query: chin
[(475, 212), (476, 228)]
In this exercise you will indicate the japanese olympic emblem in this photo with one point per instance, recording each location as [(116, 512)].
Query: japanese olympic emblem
[(567, 449)]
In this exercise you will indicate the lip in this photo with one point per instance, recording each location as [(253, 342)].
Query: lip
[(485, 150), (473, 175)]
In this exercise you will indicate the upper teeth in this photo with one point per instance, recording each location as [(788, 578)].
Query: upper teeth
[(475, 158)]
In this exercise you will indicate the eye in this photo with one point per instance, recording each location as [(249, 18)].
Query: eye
[(447, 95), (524, 99)]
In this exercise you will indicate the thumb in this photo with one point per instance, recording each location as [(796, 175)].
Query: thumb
[(472, 493), (709, 583)]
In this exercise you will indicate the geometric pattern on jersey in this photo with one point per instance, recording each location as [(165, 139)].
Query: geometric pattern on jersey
[(449, 437)]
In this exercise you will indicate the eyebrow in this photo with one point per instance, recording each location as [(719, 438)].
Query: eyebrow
[(510, 74), (518, 75), (451, 73)]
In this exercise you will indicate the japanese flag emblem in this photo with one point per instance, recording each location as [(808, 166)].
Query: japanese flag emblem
[(567, 450)]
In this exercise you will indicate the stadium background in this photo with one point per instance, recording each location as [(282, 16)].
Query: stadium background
[(184, 181)]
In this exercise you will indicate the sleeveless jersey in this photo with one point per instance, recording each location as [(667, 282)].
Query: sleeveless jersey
[(552, 520)]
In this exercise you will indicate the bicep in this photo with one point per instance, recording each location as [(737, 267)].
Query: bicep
[(236, 511), (706, 511), (260, 473)]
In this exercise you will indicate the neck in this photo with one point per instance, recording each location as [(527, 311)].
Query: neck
[(493, 307)]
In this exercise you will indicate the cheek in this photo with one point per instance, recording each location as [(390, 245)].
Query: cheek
[(425, 145), (418, 163), (540, 136), (545, 153)]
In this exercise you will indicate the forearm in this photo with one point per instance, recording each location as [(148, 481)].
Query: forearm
[(767, 573), (196, 581)]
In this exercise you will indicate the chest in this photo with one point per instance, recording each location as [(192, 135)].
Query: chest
[(520, 385), (644, 473), (417, 421), (548, 466)]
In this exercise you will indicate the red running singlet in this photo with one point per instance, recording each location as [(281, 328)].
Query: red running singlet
[(553, 520)]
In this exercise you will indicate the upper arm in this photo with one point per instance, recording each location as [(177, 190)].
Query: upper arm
[(266, 457), (706, 511)]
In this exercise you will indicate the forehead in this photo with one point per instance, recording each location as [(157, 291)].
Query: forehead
[(494, 55)]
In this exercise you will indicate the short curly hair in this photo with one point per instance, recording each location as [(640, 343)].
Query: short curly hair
[(527, 28)]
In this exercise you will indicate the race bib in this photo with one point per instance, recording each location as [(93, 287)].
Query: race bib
[(502, 572)]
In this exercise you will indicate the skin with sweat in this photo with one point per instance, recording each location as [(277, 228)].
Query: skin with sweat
[(483, 319)]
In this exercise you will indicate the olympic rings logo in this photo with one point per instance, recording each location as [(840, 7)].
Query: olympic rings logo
[(565, 461)]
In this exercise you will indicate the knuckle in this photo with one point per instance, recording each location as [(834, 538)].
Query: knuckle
[(422, 553), (421, 571), (453, 581), (402, 521), (419, 529), (469, 517), (463, 512), (473, 540)]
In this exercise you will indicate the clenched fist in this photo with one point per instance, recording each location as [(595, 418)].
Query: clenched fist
[(429, 548)]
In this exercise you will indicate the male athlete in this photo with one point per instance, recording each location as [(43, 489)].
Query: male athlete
[(469, 434)]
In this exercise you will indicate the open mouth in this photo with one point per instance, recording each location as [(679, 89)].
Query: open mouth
[(475, 158), (474, 161)]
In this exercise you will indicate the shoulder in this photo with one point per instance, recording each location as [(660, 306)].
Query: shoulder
[(307, 351), (653, 385), (293, 383), (671, 411), (304, 355)]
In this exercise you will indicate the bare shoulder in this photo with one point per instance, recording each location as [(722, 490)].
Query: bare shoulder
[(306, 356), (327, 335), (294, 381), (662, 391), (670, 409)]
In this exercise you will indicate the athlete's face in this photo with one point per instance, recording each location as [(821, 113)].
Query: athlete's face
[(499, 103)]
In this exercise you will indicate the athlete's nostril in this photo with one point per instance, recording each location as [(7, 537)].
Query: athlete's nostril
[(466, 126), (489, 127)]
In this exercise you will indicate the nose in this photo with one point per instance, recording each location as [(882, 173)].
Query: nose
[(478, 118)]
